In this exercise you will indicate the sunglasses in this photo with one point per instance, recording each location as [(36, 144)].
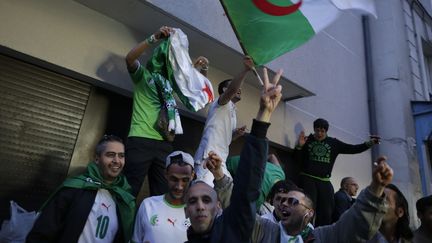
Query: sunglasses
[(293, 202)]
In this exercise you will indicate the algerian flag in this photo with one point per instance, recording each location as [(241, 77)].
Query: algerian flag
[(267, 29), (172, 70), (193, 89), (171, 60)]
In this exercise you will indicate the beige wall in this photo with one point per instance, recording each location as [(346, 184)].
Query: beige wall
[(67, 34), (91, 130), (74, 37), (77, 38)]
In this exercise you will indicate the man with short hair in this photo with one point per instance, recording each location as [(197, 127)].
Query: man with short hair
[(344, 197), (220, 127), (358, 224), (317, 154), (277, 192), (424, 212), (96, 206), (147, 145), (161, 219), (236, 222)]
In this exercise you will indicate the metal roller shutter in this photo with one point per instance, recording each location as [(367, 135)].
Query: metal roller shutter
[(40, 117)]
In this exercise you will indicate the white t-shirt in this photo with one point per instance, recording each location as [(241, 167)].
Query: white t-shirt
[(157, 221), (220, 125), (102, 222)]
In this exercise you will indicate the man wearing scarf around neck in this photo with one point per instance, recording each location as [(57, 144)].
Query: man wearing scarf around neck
[(96, 206)]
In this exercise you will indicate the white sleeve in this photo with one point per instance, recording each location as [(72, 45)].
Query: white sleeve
[(139, 229)]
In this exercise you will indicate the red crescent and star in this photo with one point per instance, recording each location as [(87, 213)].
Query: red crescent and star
[(269, 8)]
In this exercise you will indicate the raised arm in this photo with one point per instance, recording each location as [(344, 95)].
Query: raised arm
[(363, 219), (239, 217), (236, 83), (132, 62), (345, 148), (222, 184)]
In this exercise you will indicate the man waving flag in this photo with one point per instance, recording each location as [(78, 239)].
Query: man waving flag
[(283, 25)]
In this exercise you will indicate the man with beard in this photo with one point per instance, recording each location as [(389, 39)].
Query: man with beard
[(236, 222), (161, 219), (358, 224), (277, 193), (395, 224)]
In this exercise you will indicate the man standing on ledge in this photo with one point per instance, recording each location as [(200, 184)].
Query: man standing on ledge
[(146, 147), (317, 154)]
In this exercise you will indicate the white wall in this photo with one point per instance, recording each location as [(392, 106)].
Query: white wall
[(331, 65)]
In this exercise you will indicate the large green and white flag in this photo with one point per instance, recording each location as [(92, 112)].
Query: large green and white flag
[(267, 29), (173, 71)]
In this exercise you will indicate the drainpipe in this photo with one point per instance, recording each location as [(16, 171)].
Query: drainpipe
[(370, 83)]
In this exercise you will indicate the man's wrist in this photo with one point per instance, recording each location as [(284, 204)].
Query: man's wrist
[(218, 176), (263, 115), (369, 144), (151, 39), (377, 190)]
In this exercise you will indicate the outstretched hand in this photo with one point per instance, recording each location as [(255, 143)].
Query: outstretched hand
[(163, 32), (375, 139), (239, 132), (302, 139), (382, 175), (271, 94)]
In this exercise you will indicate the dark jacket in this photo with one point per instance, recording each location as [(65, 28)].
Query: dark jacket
[(360, 223), (64, 217), (342, 203), (318, 157), (237, 220)]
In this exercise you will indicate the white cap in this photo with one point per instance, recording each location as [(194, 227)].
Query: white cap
[(181, 156)]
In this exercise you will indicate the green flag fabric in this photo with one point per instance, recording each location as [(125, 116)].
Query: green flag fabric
[(267, 29)]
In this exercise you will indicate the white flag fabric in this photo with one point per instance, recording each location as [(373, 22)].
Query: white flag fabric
[(194, 86)]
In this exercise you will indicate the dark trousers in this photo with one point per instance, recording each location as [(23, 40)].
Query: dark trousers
[(146, 156), (321, 193)]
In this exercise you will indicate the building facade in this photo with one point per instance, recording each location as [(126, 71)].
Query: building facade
[(64, 84)]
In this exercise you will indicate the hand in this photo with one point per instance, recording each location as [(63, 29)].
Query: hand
[(163, 32), (302, 139), (271, 94), (213, 164), (248, 63), (375, 139), (201, 63), (382, 175), (240, 131)]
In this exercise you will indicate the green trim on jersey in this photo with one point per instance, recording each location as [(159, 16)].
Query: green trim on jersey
[(316, 177), (172, 205)]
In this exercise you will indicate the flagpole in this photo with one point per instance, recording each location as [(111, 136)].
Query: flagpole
[(258, 76), (241, 44)]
